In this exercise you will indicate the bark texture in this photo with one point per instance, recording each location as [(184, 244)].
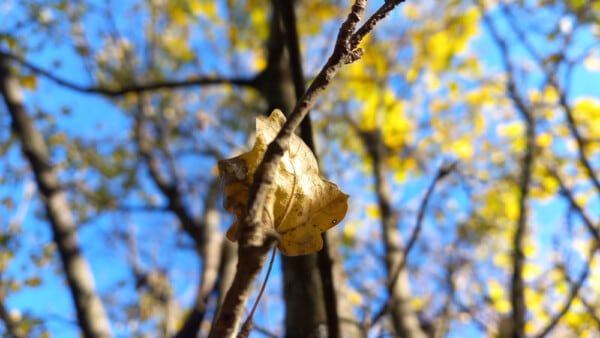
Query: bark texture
[(305, 314)]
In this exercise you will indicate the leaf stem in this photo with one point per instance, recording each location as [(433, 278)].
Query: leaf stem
[(247, 327)]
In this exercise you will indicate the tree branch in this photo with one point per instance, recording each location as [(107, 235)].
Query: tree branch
[(92, 318), (210, 251), (575, 287), (562, 95), (442, 173), (517, 282), (133, 88), (168, 188), (587, 221)]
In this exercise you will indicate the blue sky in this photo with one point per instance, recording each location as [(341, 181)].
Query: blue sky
[(52, 301)]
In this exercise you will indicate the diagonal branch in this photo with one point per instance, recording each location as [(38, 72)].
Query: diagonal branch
[(168, 187), (587, 221), (92, 318), (133, 88), (442, 173), (575, 287)]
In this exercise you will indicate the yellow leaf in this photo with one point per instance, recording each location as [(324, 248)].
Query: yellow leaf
[(543, 140), (531, 271), (530, 328), (208, 9), (33, 281), (529, 250), (463, 148), (178, 15), (411, 11), (495, 290), (412, 74), (503, 306), (550, 95), (355, 298), (373, 211), (503, 260), (301, 205), (511, 130), (29, 82)]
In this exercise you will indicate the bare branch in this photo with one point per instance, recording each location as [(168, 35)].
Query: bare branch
[(167, 186), (517, 283), (133, 88), (562, 98), (442, 172), (587, 221), (90, 311), (575, 287)]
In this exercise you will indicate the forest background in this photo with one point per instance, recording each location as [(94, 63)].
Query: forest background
[(467, 137)]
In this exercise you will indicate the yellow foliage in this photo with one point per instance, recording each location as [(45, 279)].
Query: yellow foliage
[(412, 74), (533, 298), (463, 148), (438, 105), (530, 328), (437, 49), (562, 287), (511, 207), (495, 290), (502, 260), (411, 11), (503, 306), (33, 281), (586, 113), (355, 298), (205, 8), (529, 249), (300, 205), (543, 140), (28, 81), (550, 95), (531, 271), (534, 96), (511, 130), (397, 131), (178, 46), (417, 303), (373, 211)]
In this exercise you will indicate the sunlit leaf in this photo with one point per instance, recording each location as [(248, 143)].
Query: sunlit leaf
[(304, 204)]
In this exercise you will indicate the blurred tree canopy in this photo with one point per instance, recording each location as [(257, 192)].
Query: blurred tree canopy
[(467, 136)]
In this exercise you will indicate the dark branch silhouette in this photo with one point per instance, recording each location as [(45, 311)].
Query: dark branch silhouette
[(132, 88)]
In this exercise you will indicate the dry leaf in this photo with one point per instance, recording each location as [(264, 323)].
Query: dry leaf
[(302, 205)]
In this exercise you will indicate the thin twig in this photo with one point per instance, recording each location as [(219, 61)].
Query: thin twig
[(168, 186), (575, 287), (562, 93), (444, 171), (248, 324), (587, 221)]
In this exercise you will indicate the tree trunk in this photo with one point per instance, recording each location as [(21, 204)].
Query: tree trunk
[(90, 311), (311, 309)]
